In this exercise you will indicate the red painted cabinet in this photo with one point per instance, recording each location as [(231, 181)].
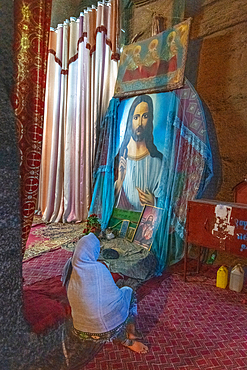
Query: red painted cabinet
[(217, 225)]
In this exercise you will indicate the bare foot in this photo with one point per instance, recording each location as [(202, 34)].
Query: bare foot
[(138, 347)]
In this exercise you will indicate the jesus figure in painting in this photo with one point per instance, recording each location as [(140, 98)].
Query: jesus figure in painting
[(139, 166)]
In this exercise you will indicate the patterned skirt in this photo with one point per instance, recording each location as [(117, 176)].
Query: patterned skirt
[(119, 333)]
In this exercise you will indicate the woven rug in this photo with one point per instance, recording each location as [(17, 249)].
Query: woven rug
[(45, 266), (187, 326), (45, 237)]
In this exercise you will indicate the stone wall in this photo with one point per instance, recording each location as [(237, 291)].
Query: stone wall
[(221, 27), (143, 14), (64, 9), (11, 320)]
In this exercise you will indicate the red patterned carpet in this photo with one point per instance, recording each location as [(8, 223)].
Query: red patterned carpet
[(46, 266), (187, 326)]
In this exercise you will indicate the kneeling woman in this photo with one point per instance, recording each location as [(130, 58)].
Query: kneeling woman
[(100, 310)]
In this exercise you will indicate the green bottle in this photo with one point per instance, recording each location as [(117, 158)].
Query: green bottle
[(212, 258)]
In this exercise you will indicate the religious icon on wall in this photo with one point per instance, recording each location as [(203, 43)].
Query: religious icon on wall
[(138, 160), (159, 144), (147, 226), (154, 65)]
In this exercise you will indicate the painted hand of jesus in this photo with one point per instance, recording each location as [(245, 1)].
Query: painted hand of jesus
[(122, 168), (145, 197)]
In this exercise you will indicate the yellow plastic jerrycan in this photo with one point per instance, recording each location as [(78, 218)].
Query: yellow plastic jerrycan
[(237, 278), (222, 277)]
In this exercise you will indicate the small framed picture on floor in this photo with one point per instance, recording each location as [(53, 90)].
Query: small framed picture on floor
[(148, 225), (130, 234), (124, 228)]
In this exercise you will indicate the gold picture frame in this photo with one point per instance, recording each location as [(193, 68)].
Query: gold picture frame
[(147, 226), (130, 234), (124, 228)]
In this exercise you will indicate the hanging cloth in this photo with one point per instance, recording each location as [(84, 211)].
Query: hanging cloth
[(82, 69), (103, 175), (185, 171), (32, 22)]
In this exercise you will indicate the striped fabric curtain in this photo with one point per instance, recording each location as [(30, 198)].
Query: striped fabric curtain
[(82, 69)]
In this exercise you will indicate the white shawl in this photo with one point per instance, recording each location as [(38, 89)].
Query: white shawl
[(97, 304)]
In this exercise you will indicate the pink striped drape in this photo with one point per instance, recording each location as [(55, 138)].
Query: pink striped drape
[(82, 69)]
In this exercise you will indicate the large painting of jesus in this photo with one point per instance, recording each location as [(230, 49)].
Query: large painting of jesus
[(139, 160)]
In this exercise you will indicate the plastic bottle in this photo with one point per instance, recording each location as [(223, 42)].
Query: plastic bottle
[(222, 277), (212, 258), (237, 278)]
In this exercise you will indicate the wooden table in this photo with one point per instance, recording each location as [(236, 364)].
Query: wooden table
[(216, 225)]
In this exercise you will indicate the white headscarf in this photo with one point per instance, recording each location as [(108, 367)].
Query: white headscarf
[(97, 304)]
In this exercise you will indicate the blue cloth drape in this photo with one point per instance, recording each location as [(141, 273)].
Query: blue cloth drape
[(186, 172), (186, 168), (103, 175)]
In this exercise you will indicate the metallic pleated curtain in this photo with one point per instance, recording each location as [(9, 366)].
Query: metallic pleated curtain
[(32, 23), (81, 74)]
